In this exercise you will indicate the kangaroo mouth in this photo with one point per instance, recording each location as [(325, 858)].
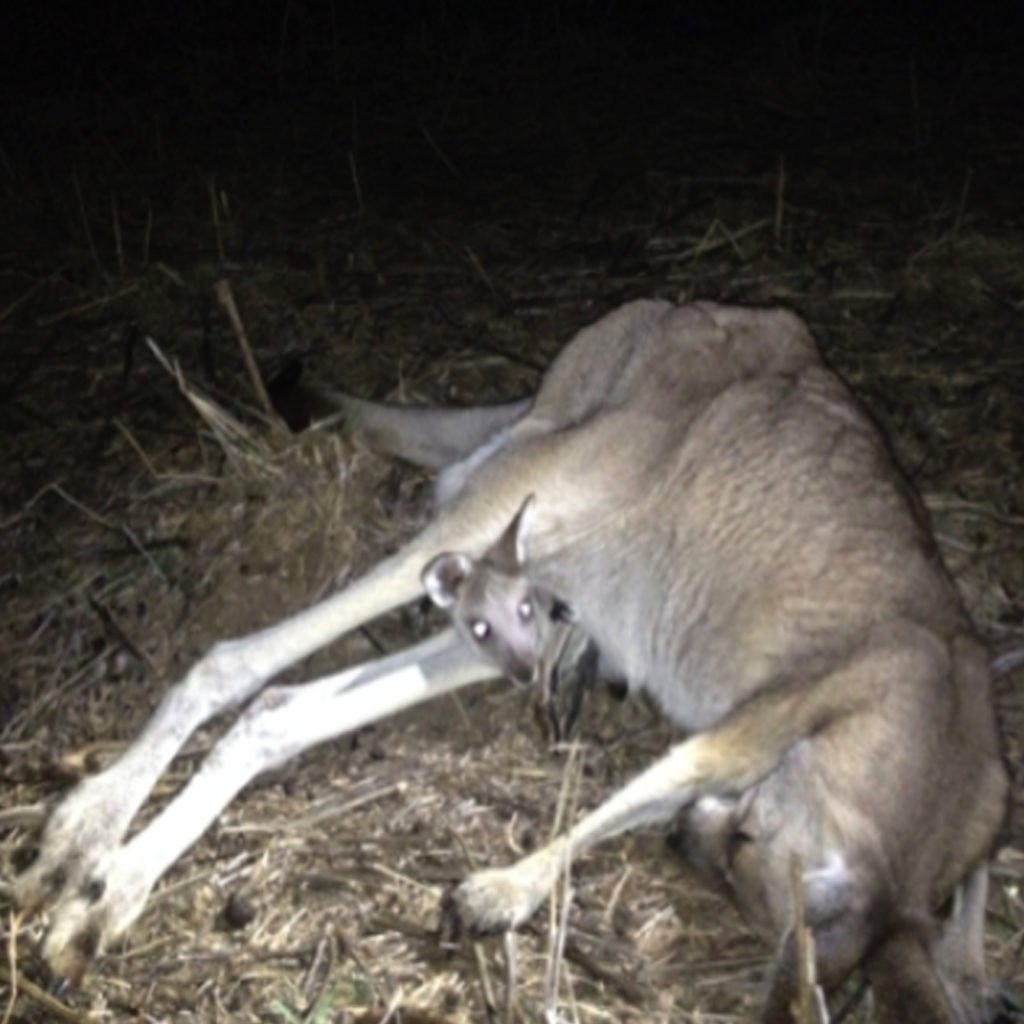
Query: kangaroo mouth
[(525, 676)]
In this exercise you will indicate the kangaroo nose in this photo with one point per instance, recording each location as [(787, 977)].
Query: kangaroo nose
[(522, 672)]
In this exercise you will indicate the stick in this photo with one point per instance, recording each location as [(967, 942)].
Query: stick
[(226, 297)]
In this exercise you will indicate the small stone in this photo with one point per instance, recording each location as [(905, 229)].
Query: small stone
[(238, 912)]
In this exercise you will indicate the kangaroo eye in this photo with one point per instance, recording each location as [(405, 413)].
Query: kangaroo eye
[(480, 628), (525, 610)]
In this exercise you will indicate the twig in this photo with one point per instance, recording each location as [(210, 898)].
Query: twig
[(239, 444), (138, 449), (111, 624), (965, 191), (438, 153), (115, 217), (393, 1006), (170, 273), (485, 979), (215, 213), (22, 299), (85, 223), (354, 171), (479, 268), (733, 241), (147, 235), (569, 788), (561, 898), (325, 810), (780, 193), (1006, 662), (86, 307), (613, 900), (318, 974), (454, 698), (556, 955), (426, 887), (466, 852), (625, 987), (709, 243), (89, 513), (55, 488), (12, 961), (510, 948), (915, 101), (125, 531), (946, 503), (26, 816), (54, 1007), (49, 696), (226, 297), (349, 949), (353, 167), (808, 1004)]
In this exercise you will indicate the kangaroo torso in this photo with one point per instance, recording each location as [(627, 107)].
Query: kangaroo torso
[(724, 519)]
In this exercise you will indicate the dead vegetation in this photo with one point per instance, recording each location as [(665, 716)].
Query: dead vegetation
[(442, 244)]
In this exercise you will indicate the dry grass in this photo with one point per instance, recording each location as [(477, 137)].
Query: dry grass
[(133, 531)]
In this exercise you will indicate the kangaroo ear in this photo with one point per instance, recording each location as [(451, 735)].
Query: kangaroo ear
[(444, 575), (509, 553), (523, 524)]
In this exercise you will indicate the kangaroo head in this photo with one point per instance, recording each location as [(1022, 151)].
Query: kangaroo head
[(493, 604)]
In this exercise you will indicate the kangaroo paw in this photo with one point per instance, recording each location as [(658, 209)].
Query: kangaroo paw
[(500, 899)]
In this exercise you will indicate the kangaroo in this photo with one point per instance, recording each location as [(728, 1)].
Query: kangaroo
[(728, 527), (527, 634), (742, 843), (494, 607)]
